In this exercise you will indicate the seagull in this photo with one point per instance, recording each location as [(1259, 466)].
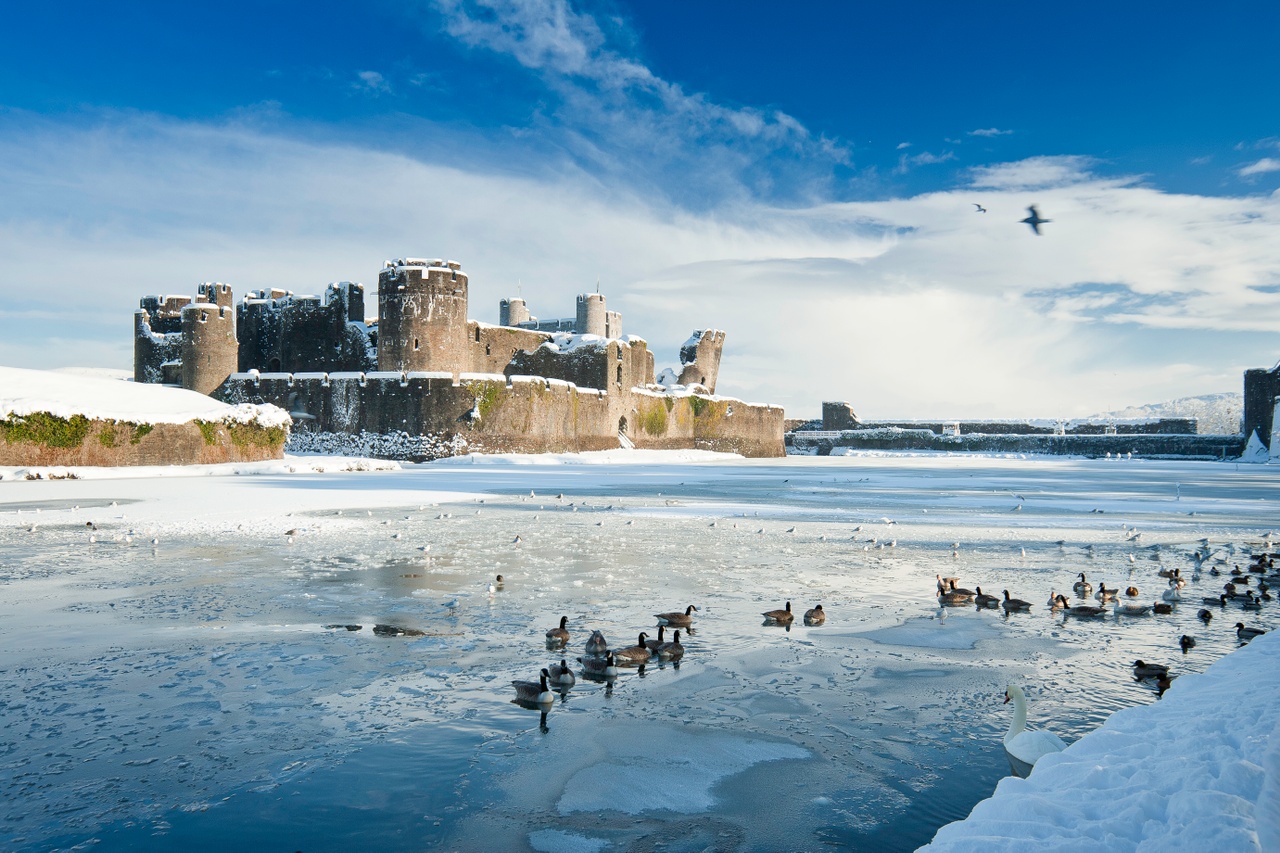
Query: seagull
[(980, 208), (1034, 219)]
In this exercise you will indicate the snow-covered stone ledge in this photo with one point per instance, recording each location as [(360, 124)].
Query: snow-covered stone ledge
[(1198, 770)]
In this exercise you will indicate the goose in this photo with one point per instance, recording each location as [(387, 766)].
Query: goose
[(1056, 602), (954, 598), (1171, 594), (779, 617), (559, 636), (1162, 607), (1205, 615), (599, 667), (1083, 609), (654, 645), (1248, 634), (534, 691), (944, 584), (561, 674), (1186, 641), (638, 654), (677, 620), (672, 650), (1149, 670), (815, 616), (1103, 594), (1010, 604), (984, 600), (1025, 747), (1082, 586), (960, 589), (1220, 600), (1132, 592), (1129, 608), (597, 644)]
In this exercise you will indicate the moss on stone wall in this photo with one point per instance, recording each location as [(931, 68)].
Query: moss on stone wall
[(243, 435), (209, 430), (45, 429), (140, 431), (654, 421), (487, 395)]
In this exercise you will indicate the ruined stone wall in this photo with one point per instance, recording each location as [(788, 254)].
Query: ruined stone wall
[(586, 365), (422, 316), (838, 415), (209, 348), (1261, 388), (287, 333), (700, 356), (487, 413), (151, 349), (1151, 445), (493, 347)]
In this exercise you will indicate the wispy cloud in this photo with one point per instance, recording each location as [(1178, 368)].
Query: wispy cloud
[(1261, 167), (372, 82), (907, 162), (1033, 173), (990, 131)]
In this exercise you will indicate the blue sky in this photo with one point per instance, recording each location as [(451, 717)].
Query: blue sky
[(802, 175)]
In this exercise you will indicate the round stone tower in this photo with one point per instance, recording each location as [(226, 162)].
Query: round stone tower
[(209, 349), (422, 316), (591, 315), (512, 312)]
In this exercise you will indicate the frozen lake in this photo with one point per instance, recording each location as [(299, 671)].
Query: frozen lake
[(170, 682)]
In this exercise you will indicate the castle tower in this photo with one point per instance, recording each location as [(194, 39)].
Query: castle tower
[(209, 349), (157, 336), (215, 293), (591, 315), (512, 312), (700, 356), (422, 316)]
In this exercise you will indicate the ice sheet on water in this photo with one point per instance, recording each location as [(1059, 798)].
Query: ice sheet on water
[(555, 841), (655, 767), (953, 632)]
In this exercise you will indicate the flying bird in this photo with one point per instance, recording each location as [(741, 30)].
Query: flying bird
[(980, 208), (1034, 219)]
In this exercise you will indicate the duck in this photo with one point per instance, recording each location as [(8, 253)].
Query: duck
[(1220, 600), (561, 674), (984, 600), (599, 667), (638, 654), (815, 616), (1082, 586), (1025, 747), (1010, 604), (1130, 608), (1103, 594), (596, 644), (677, 620), (1205, 615), (534, 691), (1163, 683), (779, 617), (559, 636), (1162, 607), (673, 650), (1186, 641), (1248, 634), (1132, 592), (1171, 594), (1251, 602), (1149, 670)]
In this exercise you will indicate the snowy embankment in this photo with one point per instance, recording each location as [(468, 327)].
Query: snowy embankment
[(66, 395), (1199, 770)]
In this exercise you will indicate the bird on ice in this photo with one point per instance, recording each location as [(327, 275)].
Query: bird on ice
[(1034, 219)]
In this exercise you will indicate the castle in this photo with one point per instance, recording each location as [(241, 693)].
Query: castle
[(423, 381)]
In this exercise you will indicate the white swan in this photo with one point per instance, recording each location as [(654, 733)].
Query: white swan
[(1023, 747)]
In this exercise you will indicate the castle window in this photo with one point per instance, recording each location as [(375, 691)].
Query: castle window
[(415, 343), (487, 350), (619, 352), (477, 334), (619, 374)]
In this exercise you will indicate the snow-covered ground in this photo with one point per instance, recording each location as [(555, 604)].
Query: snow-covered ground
[(172, 679)]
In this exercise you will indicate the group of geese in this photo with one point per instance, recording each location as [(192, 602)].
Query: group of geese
[(601, 662)]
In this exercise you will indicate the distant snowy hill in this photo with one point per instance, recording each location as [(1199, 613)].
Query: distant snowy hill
[(1218, 414)]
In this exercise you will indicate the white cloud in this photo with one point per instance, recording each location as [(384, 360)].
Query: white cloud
[(905, 307), (990, 131), (372, 81), (1266, 164), (903, 145), (907, 162)]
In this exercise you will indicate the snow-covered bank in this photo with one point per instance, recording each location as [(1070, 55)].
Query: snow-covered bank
[(1192, 772)]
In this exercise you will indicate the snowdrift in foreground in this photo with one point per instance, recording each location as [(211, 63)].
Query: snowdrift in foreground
[(25, 392), (1191, 772)]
